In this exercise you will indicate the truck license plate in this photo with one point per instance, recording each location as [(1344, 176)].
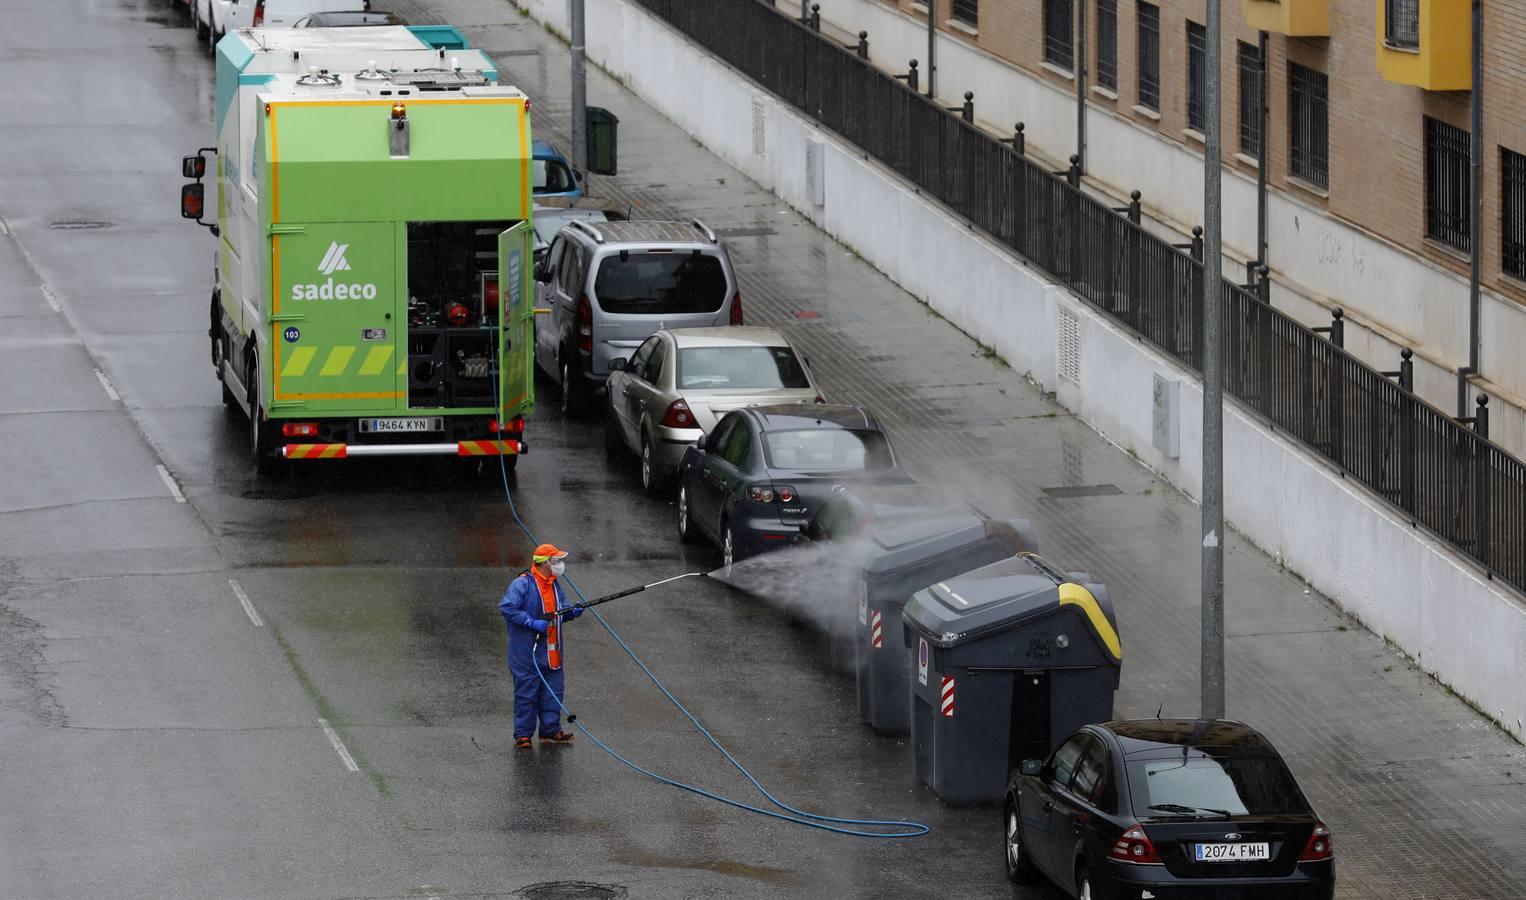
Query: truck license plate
[(1233, 852), (424, 424)]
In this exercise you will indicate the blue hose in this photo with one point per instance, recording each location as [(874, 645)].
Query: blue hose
[(789, 813)]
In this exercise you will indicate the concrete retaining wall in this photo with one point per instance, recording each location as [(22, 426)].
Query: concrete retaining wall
[(1461, 627)]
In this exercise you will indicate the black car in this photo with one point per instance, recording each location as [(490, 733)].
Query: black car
[(1167, 808), (759, 475)]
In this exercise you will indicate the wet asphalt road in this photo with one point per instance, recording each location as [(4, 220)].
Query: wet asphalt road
[(160, 739)]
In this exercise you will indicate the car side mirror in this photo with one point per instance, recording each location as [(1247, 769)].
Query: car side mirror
[(576, 175), (1032, 767), (193, 200), (543, 273), (701, 442), (618, 364)]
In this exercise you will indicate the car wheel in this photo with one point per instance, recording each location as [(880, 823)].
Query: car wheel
[(1086, 886), (1019, 870), (653, 480), (686, 531), (728, 547), (570, 401), (196, 24)]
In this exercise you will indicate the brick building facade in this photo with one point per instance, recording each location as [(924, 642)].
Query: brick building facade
[(1375, 159)]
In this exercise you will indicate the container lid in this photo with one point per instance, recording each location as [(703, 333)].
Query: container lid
[(1002, 595), (897, 540)]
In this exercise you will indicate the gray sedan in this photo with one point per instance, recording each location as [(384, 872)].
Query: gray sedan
[(679, 382)]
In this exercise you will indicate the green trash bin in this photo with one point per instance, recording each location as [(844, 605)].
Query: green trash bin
[(603, 140)]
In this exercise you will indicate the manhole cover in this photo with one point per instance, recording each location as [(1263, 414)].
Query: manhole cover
[(78, 225), (1084, 490), (571, 890)]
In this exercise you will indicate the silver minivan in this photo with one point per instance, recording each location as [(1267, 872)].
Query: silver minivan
[(604, 287)]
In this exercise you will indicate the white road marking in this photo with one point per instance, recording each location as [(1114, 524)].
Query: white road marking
[(243, 599), (48, 295), (5, 229), (106, 384), (344, 755), (169, 482)]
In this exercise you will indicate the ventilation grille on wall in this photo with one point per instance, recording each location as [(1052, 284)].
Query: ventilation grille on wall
[(1070, 346), (759, 133)]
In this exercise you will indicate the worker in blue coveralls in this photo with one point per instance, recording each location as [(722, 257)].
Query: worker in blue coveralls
[(535, 609)]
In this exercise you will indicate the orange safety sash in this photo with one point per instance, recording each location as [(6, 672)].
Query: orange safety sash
[(548, 604)]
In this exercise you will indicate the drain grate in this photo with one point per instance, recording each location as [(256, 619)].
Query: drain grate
[(746, 231), (78, 225), (1083, 490), (571, 890)]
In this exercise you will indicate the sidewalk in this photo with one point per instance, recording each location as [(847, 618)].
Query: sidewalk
[(1426, 798)]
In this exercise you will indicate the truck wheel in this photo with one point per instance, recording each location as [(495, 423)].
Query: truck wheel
[(261, 450)]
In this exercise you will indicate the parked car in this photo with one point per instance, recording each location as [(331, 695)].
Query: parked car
[(607, 286), (551, 174), (760, 473), (282, 13), (681, 381), (1160, 806), (350, 18), (553, 213)]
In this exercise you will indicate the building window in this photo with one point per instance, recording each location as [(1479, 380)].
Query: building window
[(1197, 83), (1149, 56), (1401, 23), (1250, 100), (967, 11), (1059, 42), (1310, 92), (1513, 213), (1107, 44), (1446, 183)]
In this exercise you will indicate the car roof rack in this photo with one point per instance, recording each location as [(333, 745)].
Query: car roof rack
[(584, 225), (705, 230)]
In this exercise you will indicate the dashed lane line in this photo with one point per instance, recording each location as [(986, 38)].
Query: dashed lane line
[(106, 386), (344, 754), (169, 482), (243, 599)]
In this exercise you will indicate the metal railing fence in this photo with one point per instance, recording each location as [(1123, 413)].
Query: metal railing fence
[(1443, 475)]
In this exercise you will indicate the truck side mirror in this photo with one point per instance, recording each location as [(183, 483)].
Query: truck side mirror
[(193, 166), (192, 200), (1032, 767)]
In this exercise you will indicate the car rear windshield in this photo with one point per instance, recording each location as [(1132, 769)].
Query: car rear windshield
[(827, 449), (653, 283), (1205, 783), (749, 368)]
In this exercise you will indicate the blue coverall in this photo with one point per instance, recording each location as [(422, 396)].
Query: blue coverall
[(521, 607)]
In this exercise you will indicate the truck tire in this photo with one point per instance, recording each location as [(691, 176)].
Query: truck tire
[(261, 449)]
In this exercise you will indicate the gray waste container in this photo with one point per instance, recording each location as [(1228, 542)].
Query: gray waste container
[(904, 555), (1009, 660)]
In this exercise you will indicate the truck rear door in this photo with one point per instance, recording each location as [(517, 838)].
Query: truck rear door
[(335, 318), (516, 339)]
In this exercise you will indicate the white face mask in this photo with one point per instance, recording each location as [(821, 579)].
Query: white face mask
[(557, 567)]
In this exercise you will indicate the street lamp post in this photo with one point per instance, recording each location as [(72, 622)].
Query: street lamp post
[(1212, 667)]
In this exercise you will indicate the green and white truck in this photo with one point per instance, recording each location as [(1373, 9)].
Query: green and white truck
[(373, 269)]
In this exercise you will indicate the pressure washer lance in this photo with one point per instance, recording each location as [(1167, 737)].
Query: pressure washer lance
[(618, 594)]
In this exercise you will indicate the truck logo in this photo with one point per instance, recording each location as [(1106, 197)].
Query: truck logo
[(334, 261)]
